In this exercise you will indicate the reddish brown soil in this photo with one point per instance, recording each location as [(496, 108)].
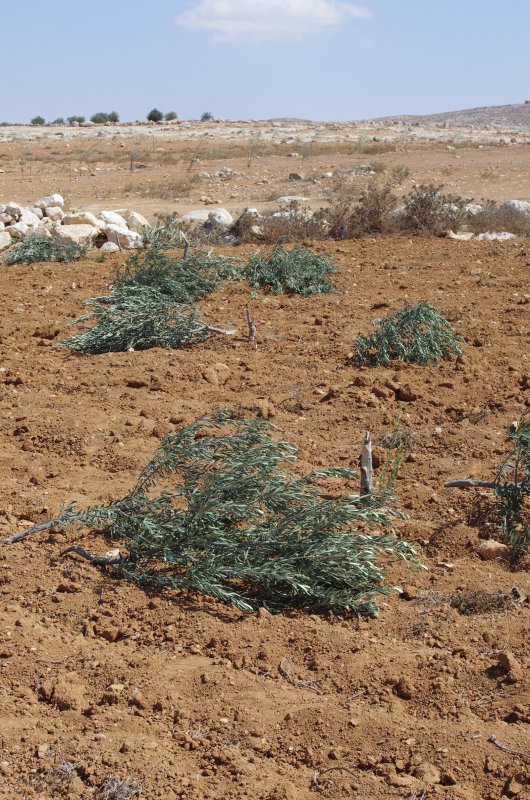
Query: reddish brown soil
[(200, 708)]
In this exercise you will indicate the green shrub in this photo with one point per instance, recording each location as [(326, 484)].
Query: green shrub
[(102, 117), (170, 116), (218, 511), (36, 249), (155, 115), (416, 333), (297, 271), (75, 119), (184, 280), (512, 488), (135, 317), (207, 116), (38, 121)]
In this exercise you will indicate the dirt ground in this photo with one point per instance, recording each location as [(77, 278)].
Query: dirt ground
[(189, 698)]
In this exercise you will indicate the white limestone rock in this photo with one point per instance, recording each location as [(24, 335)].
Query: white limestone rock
[(518, 205), (80, 234), (136, 222), (83, 218), (123, 237), (52, 200), (220, 218), (18, 230), (113, 218), (198, 215), (110, 247), (5, 240), (14, 210), (55, 213), (495, 236)]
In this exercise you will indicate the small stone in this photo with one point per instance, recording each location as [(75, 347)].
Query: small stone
[(404, 689), (296, 176), (409, 592), (428, 773), (509, 662), (514, 786), (43, 750), (491, 549), (110, 247), (406, 394)]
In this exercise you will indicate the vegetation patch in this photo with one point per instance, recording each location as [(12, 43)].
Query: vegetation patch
[(296, 271), (36, 249), (218, 511), (135, 317), (416, 333)]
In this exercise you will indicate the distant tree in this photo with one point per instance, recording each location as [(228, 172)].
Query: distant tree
[(207, 116), (113, 116), (75, 119), (155, 115), (100, 118), (58, 121), (38, 121), (170, 116)]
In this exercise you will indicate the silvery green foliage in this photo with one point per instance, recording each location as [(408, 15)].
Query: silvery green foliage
[(297, 271), (218, 511), (416, 333), (135, 317)]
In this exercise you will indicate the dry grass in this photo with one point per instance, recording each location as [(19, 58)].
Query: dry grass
[(495, 217), (481, 602)]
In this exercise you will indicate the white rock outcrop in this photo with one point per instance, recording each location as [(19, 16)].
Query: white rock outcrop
[(52, 200), (220, 218), (518, 205), (80, 234), (5, 240), (136, 222), (55, 213), (83, 218), (494, 236), (113, 218), (123, 237)]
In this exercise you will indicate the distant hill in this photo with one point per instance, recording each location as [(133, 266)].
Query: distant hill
[(512, 116)]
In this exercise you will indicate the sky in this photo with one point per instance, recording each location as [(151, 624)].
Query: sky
[(260, 59)]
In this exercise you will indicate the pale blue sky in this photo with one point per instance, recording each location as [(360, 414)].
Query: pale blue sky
[(317, 59)]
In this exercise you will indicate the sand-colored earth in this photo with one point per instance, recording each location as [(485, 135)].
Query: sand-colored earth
[(189, 698)]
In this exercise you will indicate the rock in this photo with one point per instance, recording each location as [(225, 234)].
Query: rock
[(409, 592), (518, 205), (404, 689), (406, 394), (123, 237), (460, 236), (137, 222), (43, 750), (29, 218), (472, 208), (509, 662), (491, 549), (113, 218), (110, 247), (5, 240), (428, 773), (296, 176), (220, 218), (37, 211), (14, 210), (514, 786), (18, 230), (82, 218), (287, 199), (217, 374), (491, 236), (55, 213), (80, 234), (6, 219), (52, 200), (198, 215)]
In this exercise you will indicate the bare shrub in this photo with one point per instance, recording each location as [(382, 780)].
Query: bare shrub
[(495, 217), (428, 211), (292, 225), (371, 214)]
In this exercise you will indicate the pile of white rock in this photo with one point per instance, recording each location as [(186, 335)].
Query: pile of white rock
[(48, 218)]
